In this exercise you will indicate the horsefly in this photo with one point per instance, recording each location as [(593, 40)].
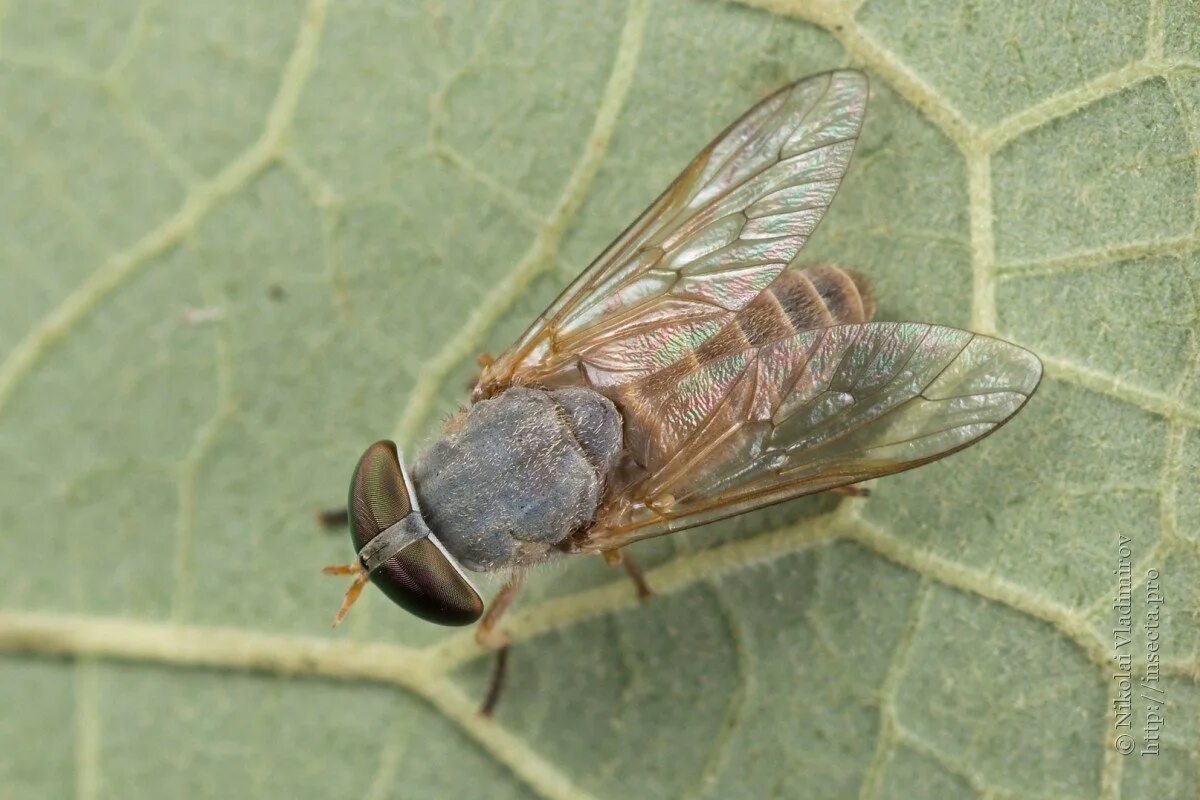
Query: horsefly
[(691, 373)]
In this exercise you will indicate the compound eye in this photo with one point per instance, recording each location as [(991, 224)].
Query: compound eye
[(422, 577)]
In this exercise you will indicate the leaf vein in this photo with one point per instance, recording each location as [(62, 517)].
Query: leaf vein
[(542, 252), (199, 202)]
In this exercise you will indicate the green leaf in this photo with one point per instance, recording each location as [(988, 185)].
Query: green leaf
[(243, 240)]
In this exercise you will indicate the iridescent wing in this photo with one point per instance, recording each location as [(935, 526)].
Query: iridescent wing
[(720, 234), (733, 392), (816, 410)]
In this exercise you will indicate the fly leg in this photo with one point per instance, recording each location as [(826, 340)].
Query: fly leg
[(618, 558), (332, 518), (496, 684), (487, 636), (853, 490), (484, 360)]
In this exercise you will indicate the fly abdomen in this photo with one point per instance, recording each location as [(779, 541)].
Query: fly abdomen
[(822, 295), (818, 296)]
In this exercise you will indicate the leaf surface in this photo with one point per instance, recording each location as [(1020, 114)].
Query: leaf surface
[(243, 240)]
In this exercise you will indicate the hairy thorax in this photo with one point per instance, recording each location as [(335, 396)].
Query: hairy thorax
[(518, 474)]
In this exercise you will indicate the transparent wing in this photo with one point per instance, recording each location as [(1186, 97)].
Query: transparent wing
[(820, 409), (721, 233)]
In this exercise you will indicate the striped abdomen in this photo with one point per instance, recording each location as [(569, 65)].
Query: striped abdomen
[(797, 300), (663, 408)]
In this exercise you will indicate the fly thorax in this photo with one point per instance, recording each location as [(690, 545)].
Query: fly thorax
[(521, 473)]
